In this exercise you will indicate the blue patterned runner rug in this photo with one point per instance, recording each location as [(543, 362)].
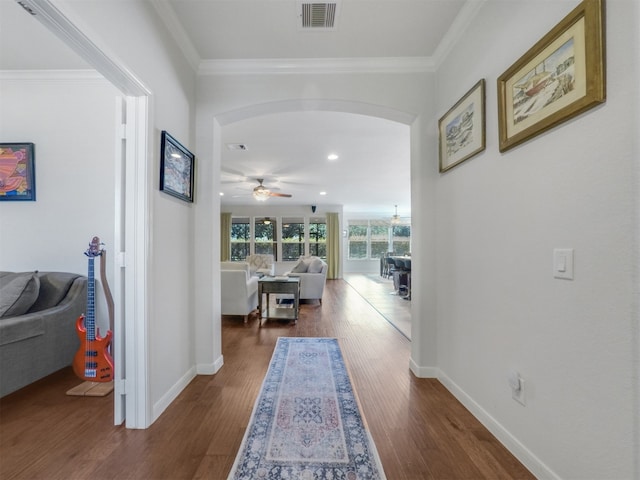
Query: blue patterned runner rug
[(306, 424)]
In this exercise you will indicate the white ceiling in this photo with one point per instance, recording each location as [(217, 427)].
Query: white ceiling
[(289, 150), (231, 29)]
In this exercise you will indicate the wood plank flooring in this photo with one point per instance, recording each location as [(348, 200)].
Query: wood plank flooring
[(420, 430), (379, 292)]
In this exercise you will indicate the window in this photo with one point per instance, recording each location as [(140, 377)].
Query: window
[(287, 238), (358, 239), (265, 237), (292, 238), (371, 239), (401, 238), (240, 238), (379, 237), (318, 237)]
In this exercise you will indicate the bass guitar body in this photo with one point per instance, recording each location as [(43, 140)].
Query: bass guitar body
[(92, 361)]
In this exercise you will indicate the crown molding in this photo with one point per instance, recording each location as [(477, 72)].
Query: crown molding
[(66, 27), (47, 75), (397, 65), (276, 66), (457, 29), (177, 31)]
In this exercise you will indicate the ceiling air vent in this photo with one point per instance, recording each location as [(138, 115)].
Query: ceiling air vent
[(318, 16)]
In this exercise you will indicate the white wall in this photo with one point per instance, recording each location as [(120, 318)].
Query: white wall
[(489, 303), (228, 98), (133, 35), (74, 170), (499, 218)]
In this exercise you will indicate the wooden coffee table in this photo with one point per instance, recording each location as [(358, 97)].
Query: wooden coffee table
[(279, 285)]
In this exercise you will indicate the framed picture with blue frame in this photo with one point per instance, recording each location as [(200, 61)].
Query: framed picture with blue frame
[(17, 172)]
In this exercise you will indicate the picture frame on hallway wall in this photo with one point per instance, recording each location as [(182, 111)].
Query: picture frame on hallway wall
[(177, 166), (561, 76), (17, 172), (461, 131)]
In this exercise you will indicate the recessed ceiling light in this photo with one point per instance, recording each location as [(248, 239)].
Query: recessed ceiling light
[(221, 194), (333, 156), (323, 193)]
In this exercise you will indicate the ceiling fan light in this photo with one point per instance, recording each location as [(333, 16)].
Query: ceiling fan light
[(395, 219), (261, 193)]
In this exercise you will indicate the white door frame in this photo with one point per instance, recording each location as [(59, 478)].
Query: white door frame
[(131, 358), (132, 211)]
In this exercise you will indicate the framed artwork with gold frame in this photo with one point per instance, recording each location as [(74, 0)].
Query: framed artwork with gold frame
[(461, 131), (559, 77)]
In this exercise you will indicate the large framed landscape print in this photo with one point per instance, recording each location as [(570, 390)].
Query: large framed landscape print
[(461, 131), (559, 77)]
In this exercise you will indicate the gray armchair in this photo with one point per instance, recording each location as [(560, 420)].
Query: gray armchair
[(239, 289)]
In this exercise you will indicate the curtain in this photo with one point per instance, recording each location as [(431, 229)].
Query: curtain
[(225, 237), (333, 245)]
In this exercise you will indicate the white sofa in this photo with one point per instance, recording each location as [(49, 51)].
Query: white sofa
[(239, 289), (261, 263), (312, 272)]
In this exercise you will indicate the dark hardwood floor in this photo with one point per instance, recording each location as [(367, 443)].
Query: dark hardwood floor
[(420, 430)]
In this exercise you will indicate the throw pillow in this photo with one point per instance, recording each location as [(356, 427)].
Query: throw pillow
[(300, 267), (54, 286), (18, 291), (315, 266)]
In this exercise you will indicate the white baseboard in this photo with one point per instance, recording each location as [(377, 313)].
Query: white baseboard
[(201, 369), (161, 405), (423, 372), (210, 368), (511, 443)]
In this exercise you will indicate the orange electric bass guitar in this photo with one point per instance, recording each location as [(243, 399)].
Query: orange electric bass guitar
[(92, 361)]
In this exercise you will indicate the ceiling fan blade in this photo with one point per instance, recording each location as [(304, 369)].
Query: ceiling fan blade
[(273, 194), (234, 182), (232, 171)]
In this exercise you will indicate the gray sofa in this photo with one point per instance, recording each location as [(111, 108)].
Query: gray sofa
[(312, 272), (38, 311)]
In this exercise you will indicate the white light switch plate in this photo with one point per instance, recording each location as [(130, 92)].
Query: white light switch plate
[(563, 263)]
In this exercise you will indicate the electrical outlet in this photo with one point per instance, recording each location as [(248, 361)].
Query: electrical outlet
[(518, 394)]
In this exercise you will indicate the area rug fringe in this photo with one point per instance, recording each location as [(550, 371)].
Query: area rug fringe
[(307, 423)]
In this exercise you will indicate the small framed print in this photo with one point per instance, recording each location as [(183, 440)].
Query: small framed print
[(17, 172), (462, 129), (176, 168)]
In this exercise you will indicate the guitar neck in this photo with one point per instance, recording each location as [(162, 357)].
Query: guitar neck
[(90, 317)]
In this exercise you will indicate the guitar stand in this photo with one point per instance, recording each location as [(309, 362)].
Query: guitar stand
[(98, 389), (91, 389)]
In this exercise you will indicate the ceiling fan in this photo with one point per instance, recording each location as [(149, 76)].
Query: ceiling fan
[(261, 193)]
